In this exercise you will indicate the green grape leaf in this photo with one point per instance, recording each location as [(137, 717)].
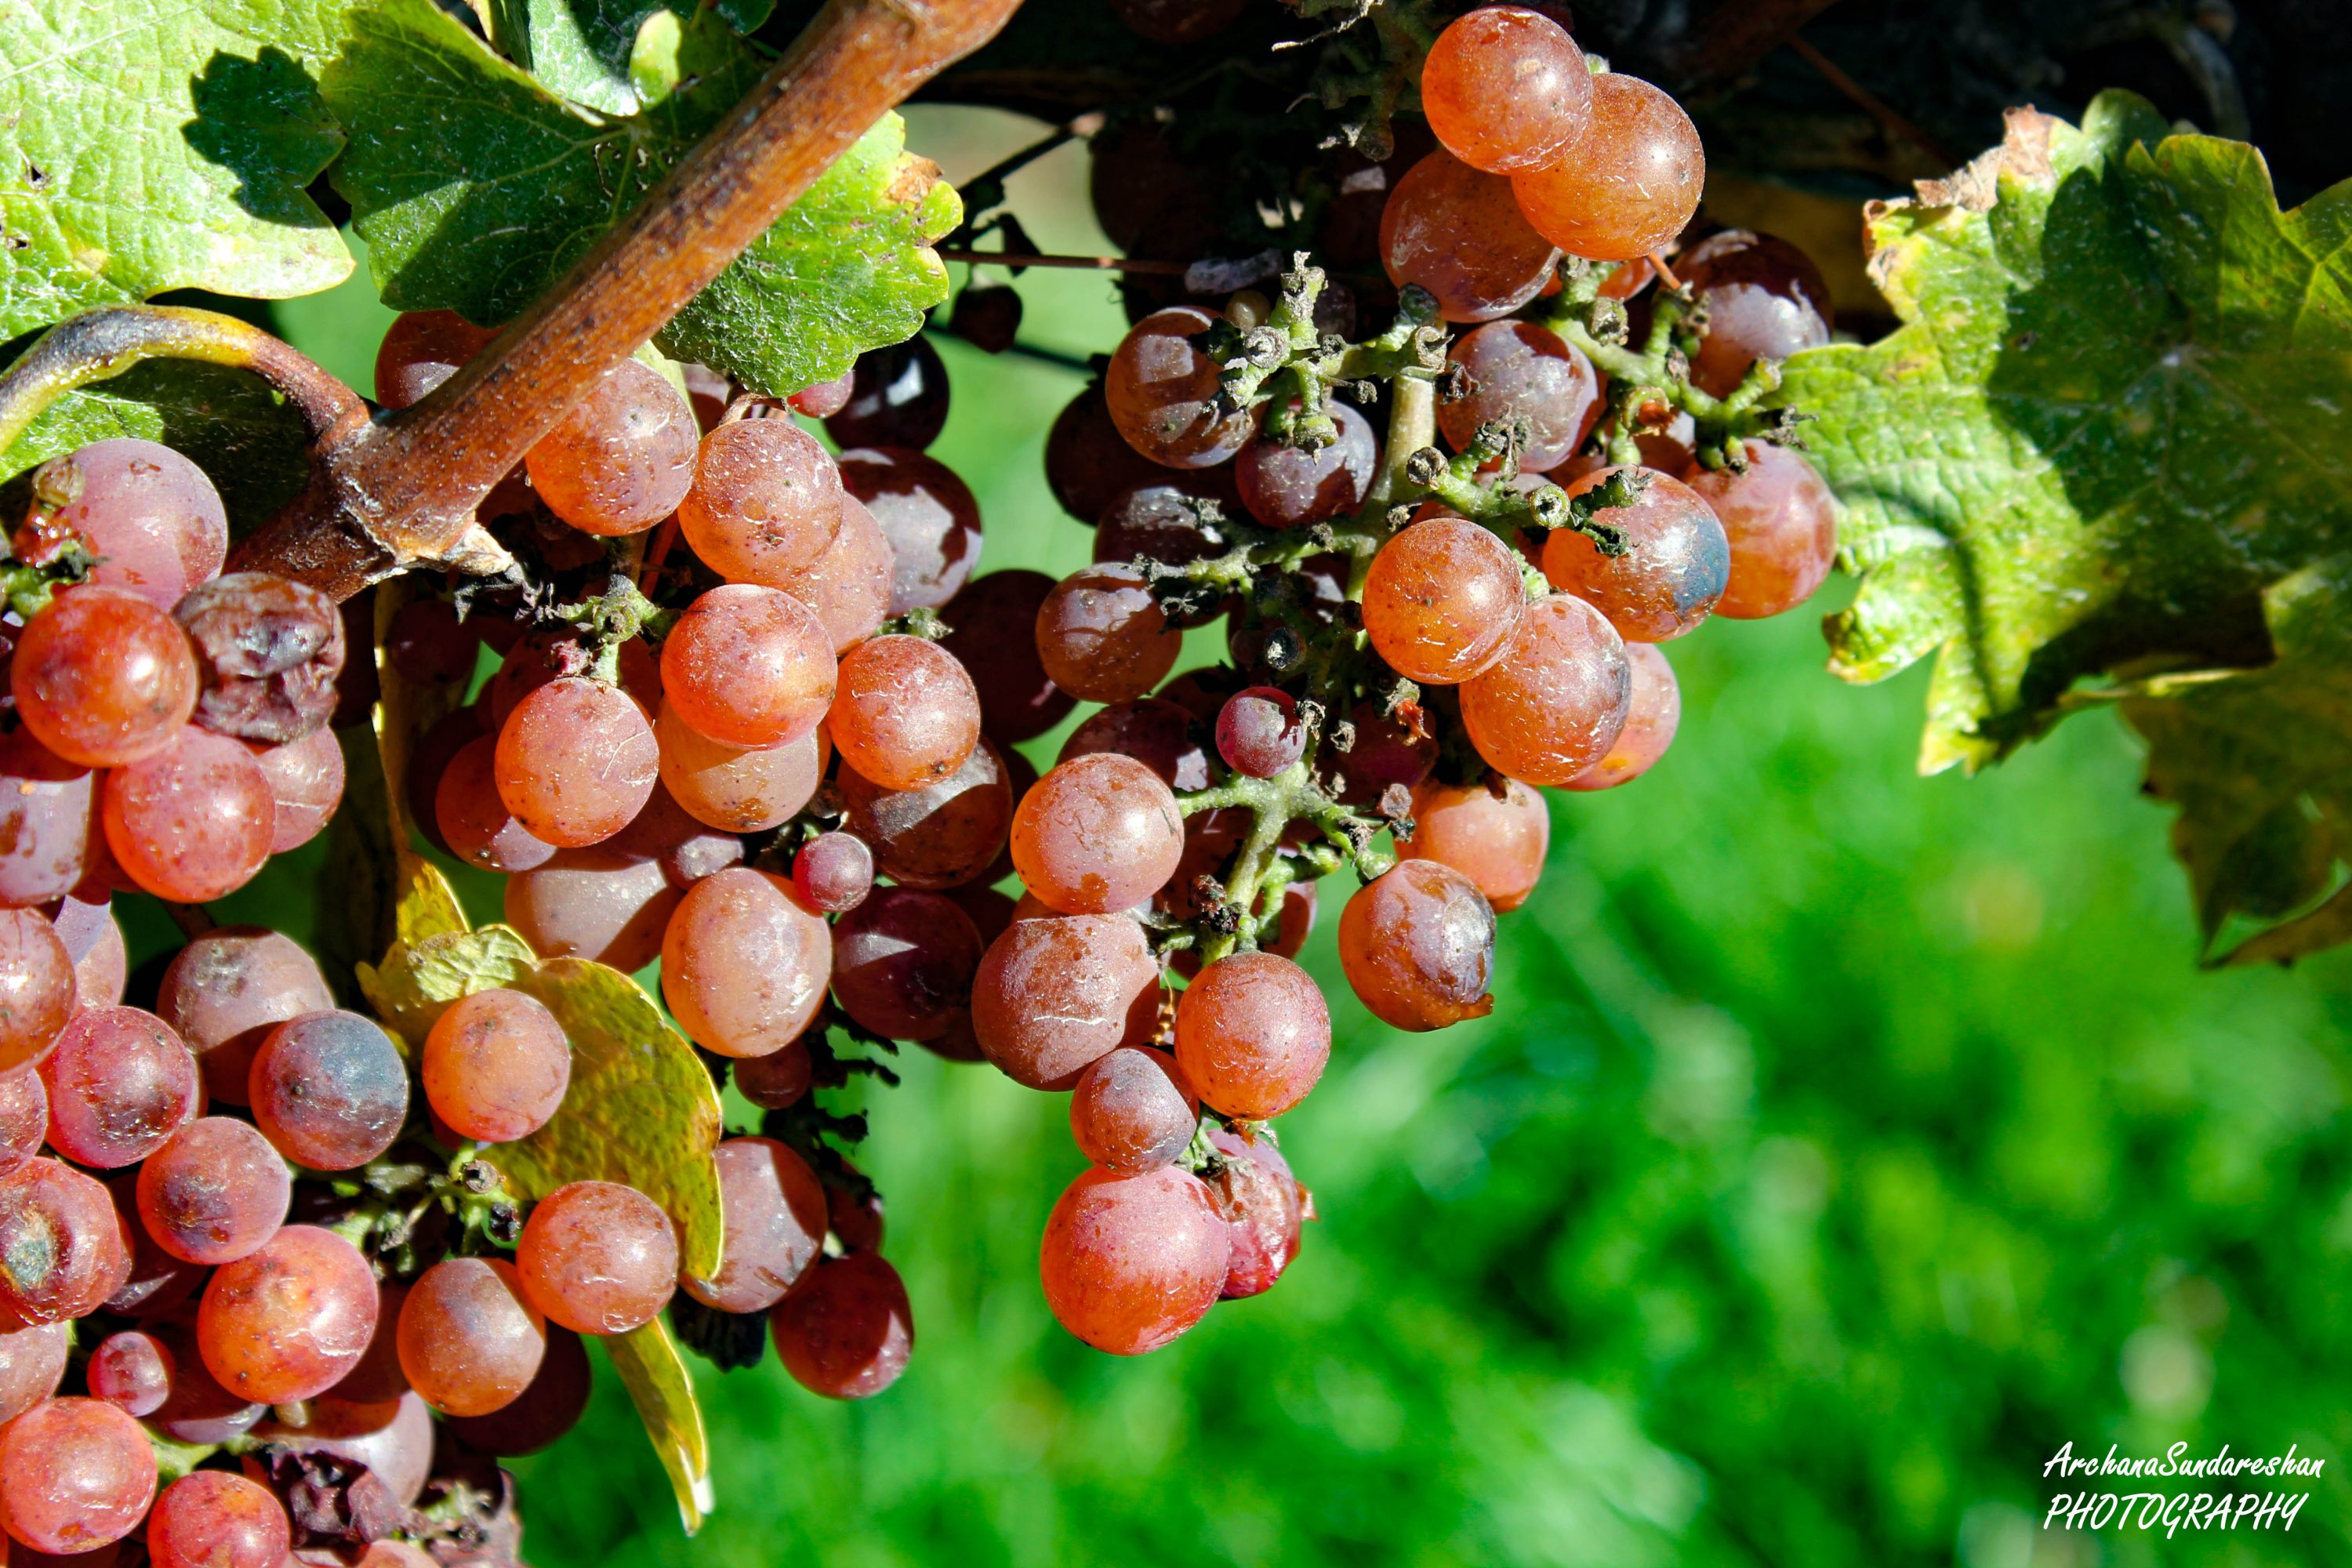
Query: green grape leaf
[(155, 144), (582, 48), (2104, 442), (475, 186), (660, 1386)]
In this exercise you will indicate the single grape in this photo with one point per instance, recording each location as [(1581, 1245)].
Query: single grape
[(739, 791), (1441, 600), (1675, 567), (37, 988), (1505, 88), (907, 714), (1627, 187), (1651, 720), (1459, 234), (1087, 462), (1417, 946), (1517, 371), (1252, 1034), (421, 350), (848, 585), (927, 513), (1259, 732), (470, 1340), (1494, 832), (748, 667), (940, 836), (1152, 731), (1783, 525), (193, 821), (897, 398), (903, 962), (496, 1065), (775, 1224), (1101, 635), (328, 1089), (45, 819), (215, 1193), (24, 1119), (1764, 300), (1133, 1109), (597, 903), (576, 762), (32, 1363), (777, 1080), (598, 1257), (288, 1320), (549, 1405), (993, 631), (473, 820), (1097, 834), (150, 516), (102, 677), (1289, 486), (120, 1084), (1162, 389), (305, 784), (1552, 706), (1263, 1207), (269, 653), (744, 967), (766, 501), (846, 1331), (823, 399), (210, 1518), (131, 1372), (857, 1221), (427, 645), (1053, 994), (1385, 750), (623, 459), (227, 990), (75, 1475), (1131, 1259)]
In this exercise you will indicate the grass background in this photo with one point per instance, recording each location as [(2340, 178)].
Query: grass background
[(1842, 1143)]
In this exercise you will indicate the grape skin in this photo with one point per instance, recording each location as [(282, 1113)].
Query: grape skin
[(470, 1339), (1131, 1259), (1443, 601), (102, 677), (193, 821), (1506, 89), (1495, 832), (24, 1119), (1417, 944), (496, 1065), (549, 1405), (287, 1320), (1628, 186), (623, 459), (1055, 994), (598, 1257), (1553, 705), (1518, 371), (121, 1083), (1133, 1109), (576, 762), (847, 1331), (1675, 568), (75, 1475), (1102, 637), (1764, 300), (305, 784), (328, 1089), (131, 1372), (744, 967), (37, 988), (907, 714), (1782, 527), (1459, 234), (774, 1226), (215, 1193), (1098, 833), (1263, 1207), (1651, 720), (903, 962), (1252, 1034), (833, 873), (476, 825), (32, 1363), (927, 513), (45, 821)]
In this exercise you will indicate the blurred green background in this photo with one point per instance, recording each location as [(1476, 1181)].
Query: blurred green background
[(1842, 1143)]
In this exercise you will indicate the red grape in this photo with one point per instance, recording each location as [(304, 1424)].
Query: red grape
[(287, 1320), (227, 990), (24, 1119), (598, 1257), (1675, 564), (775, 1224), (1263, 1208), (1494, 832), (32, 1363), (1162, 389), (193, 821), (102, 677), (623, 459), (475, 824), (1459, 234), (150, 516), (1651, 720), (1053, 994), (740, 791), (766, 501), (46, 810), (75, 1474), (470, 1340), (215, 1193), (927, 513), (777, 1079), (131, 1372), (1517, 371), (1505, 88), (1764, 300), (328, 1089), (119, 1083), (1552, 706), (749, 667), (833, 872), (421, 350), (1443, 600), (1629, 185), (305, 784), (1417, 946), (1133, 1109), (907, 713), (1782, 526), (1259, 732), (897, 398), (1131, 1259), (1252, 1034), (1087, 462), (1150, 729), (599, 903), (939, 836), (576, 762), (1102, 636), (992, 630), (846, 1331), (210, 1518), (549, 1405), (1098, 833), (903, 962), (848, 584), (1289, 486), (744, 967), (496, 1065), (37, 988)]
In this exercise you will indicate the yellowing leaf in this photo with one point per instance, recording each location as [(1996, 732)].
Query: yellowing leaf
[(658, 1383), (418, 980)]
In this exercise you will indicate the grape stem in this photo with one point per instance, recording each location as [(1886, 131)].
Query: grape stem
[(1258, 873)]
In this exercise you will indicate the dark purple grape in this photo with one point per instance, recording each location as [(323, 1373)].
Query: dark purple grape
[(927, 513), (1155, 732), (992, 630), (897, 398), (1087, 461), (987, 316)]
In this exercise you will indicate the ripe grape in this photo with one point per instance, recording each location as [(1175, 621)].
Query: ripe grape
[(328, 1089), (907, 714), (776, 1080), (599, 903), (475, 823), (833, 872), (1506, 90), (94, 943), (848, 585), (1782, 526), (1651, 720), (897, 398), (903, 962), (496, 1065), (24, 1119), (1053, 994), (623, 459), (1087, 462), (940, 836), (1629, 185), (1163, 392), (150, 516), (193, 821), (131, 1372), (427, 643), (46, 817), (846, 1331), (739, 791), (1152, 731), (1764, 299), (1263, 1207), (75, 1474), (744, 967), (470, 1340), (1131, 1259), (1494, 832), (857, 1221), (37, 988), (210, 1518), (549, 1405), (1552, 706), (1459, 234), (214, 1192), (227, 990), (1417, 946), (32, 1363), (775, 1224), (1290, 487), (305, 784), (1259, 732), (1675, 564), (597, 1256), (1133, 1109), (766, 501), (1386, 751), (421, 350), (120, 1084), (102, 677), (576, 762), (992, 630), (1102, 636), (1514, 372), (1252, 1034), (288, 1320), (927, 513), (748, 667), (1443, 600), (1098, 833), (268, 652)]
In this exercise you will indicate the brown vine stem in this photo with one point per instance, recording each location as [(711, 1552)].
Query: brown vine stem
[(1081, 263), (401, 490)]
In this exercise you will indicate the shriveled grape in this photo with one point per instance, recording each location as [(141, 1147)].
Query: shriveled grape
[(268, 652), (1264, 1206)]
